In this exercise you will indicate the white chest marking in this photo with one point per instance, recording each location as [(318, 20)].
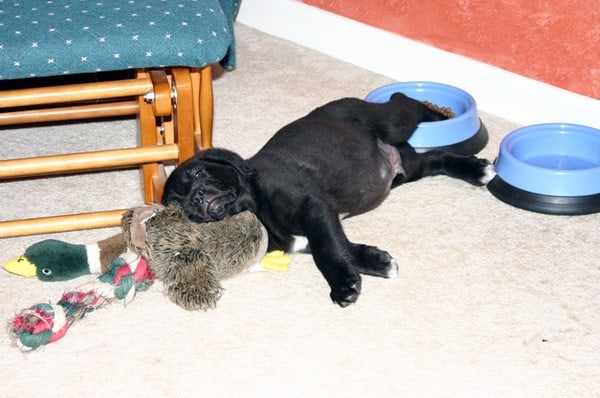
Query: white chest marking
[(300, 244)]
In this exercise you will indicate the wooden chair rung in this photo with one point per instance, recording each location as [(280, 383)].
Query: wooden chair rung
[(63, 223), (75, 93), (92, 111), (86, 161)]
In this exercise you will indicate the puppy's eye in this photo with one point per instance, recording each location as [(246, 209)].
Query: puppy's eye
[(200, 173)]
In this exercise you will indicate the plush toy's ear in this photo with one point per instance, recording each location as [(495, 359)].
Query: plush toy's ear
[(133, 224)]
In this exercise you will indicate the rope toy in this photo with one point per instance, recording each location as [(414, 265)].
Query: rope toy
[(46, 323)]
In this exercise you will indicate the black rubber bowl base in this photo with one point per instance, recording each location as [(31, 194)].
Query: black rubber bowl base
[(539, 203)]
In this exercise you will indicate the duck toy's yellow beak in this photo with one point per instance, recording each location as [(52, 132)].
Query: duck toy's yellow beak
[(20, 266)]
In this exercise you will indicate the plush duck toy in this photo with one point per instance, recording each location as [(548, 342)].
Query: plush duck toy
[(54, 260)]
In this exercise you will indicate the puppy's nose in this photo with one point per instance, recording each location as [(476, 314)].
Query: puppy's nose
[(197, 198), (212, 204), (217, 205)]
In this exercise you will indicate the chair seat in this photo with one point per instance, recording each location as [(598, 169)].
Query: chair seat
[(49, 38)]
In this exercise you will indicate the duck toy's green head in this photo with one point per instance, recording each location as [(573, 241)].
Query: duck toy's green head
[(53, 260)]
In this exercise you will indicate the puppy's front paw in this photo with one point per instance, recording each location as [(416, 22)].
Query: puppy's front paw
[(346, 293)]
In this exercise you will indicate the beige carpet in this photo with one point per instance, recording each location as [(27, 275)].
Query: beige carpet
[(491, 300)]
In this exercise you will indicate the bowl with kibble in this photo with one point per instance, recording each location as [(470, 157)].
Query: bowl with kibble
[(462, 133), (551, 168)]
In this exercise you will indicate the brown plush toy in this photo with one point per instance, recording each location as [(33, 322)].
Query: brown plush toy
[(192, 258)]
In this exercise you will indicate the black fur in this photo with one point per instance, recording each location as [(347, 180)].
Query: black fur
[(341, 159)]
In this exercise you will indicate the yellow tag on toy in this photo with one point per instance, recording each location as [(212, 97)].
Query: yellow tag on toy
[(276, 260)]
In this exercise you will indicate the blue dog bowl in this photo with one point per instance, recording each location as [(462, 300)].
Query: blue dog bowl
[(550, 168), (464, 134)]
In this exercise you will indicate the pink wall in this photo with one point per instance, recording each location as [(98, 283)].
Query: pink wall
[(554, 41)]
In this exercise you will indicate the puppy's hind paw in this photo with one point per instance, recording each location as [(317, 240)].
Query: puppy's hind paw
[(393, 271), (474, 170), (489, 172)]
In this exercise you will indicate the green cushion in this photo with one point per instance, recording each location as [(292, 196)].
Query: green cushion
[(49, 38)]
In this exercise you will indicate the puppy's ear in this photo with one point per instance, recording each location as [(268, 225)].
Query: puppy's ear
[(227, 158)]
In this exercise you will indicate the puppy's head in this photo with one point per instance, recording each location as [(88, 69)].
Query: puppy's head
[(403, 115), (211, 186)]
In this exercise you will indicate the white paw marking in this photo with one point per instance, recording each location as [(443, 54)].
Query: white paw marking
[(489, 172), (393, 271)]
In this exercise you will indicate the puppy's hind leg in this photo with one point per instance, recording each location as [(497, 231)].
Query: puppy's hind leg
[(474, 170)]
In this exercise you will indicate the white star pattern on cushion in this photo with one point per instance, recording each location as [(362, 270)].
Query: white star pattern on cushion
[(45, 38)]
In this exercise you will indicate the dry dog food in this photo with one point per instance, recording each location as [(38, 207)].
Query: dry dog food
[(444, 110)]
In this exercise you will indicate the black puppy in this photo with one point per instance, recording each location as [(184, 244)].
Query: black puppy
[(340, 160)]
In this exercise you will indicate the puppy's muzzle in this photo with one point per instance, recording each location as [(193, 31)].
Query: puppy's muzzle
[(211, 205)]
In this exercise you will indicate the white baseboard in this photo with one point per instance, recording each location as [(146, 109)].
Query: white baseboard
[(505, 94)]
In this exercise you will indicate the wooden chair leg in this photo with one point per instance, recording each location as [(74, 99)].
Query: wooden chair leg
[(160, 105), (195, 76), (183, 114), (203, 106)]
